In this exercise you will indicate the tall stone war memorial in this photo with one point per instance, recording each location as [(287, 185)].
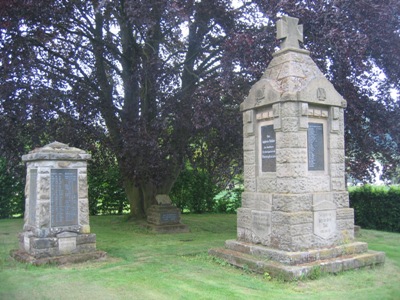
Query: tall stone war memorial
[(56, 226), (295, 216)]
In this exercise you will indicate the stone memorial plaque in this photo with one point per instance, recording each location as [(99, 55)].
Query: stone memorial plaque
[(32, 196), (261, 223), (169, 217), (315, 145), (66, 245), (64, 197), (268, 149), (324, 223)]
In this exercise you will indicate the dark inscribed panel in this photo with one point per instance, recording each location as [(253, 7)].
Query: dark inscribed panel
[(64, 197), (32, 196), (315, 144), (268, 149), (168, 217)]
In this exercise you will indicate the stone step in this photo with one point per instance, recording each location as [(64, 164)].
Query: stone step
[(25, 257), (175, 228), (299, 257), (290, 272)]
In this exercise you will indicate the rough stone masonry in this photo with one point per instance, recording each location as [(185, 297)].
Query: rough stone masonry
[(295, 212), (56, 227)]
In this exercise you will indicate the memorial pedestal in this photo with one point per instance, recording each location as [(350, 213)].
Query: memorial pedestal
[(61, 249), (56, 228), (165, 217)]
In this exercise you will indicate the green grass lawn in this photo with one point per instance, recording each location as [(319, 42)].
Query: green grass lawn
[(144, 265)]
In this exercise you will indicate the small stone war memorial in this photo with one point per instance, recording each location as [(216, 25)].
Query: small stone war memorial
[(295, 216)]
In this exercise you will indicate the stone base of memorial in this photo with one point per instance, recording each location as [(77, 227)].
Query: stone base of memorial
[(65, 247), (56, 228), (300, 264), (165, 217)]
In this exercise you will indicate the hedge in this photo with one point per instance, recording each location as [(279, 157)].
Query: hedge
[(376, 207)]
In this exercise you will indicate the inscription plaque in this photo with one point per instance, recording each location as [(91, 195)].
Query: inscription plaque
[(64, 197), (261, 223), (315, 145), (324, 223), (268, 149), (32, 196), (169, 217)]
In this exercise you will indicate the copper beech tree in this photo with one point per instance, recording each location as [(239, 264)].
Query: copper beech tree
[(158, 82)]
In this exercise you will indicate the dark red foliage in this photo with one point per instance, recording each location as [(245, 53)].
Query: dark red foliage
[(157, 80)]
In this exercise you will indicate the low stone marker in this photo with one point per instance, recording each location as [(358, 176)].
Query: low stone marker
[(295, 213), (56, 227), (165, 217)]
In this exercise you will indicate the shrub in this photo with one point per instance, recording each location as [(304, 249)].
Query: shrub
[(228, 201), (106, 194), (376, 207), (194, 191), (11, 190)]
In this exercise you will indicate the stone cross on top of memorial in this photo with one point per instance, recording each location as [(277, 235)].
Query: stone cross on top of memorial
[(288, 30), (56, 227), (295, 206)]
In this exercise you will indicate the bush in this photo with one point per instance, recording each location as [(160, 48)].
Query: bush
[(194, 191), (376, 207), (11, 190), (228, 201), (106, 194)]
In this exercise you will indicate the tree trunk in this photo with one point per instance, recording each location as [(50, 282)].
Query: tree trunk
[(142, 197), (133, 194)]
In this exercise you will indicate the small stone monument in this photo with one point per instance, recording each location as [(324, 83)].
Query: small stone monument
[(295, 213), (164, 217), (56, 227)]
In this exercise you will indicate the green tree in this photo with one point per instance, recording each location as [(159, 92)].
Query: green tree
[(11, 191)]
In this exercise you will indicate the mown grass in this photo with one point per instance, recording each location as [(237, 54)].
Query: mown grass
[(144, 265)]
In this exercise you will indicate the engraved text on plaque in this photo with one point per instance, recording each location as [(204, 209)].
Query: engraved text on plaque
[(315, 144), (268, 149), (64, 197)]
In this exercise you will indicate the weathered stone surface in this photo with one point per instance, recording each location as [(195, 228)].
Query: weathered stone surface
[(250, 184), (292, 218), (266, 184), (296, 271), (291, 202), (261, 223), (295, 211), (163, 199), (291, 155), (258, 201), (292, 185), (165, 219), (249, 157), (249, 143), (86, 239), (59, 260), (244, 217), (66, 245), (291, 140), (249, 171), (60, 211)]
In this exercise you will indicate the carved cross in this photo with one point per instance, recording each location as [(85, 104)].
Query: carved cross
[(288, 30)]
